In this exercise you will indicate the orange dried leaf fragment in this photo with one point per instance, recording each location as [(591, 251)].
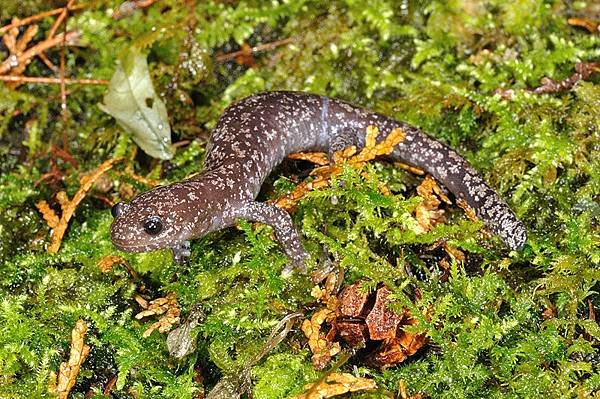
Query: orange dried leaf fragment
[(68, 370), (427, 212), (48, 213), (68, 206), (469, 212), (167, 306), (319, 158), (321, 344), (336, 384), (106, 263)]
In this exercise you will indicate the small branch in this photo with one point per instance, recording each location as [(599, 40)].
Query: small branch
[(58, 22), (63, 90), (48, 63), (26, 56), (37, 17), (260, 47), (30, 79), (583, 70)]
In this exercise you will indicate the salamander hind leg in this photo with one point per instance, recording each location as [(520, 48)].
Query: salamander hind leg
[(284, 228)]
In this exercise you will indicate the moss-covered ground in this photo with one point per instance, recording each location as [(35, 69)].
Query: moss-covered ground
[(502, 324)]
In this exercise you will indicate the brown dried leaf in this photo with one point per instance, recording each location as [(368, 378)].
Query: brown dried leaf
[(68, 370), (364, 319), (336, 384), (321, 344), (167, 306), (382, 321), (469, 212), (47, 213)]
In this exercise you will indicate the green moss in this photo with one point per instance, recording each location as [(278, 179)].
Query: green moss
[(282, 375), (436, 65)]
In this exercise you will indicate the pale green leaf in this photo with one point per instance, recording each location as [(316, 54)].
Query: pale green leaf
[(132, 101)]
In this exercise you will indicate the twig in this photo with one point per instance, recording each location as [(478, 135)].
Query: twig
[(40, 80), (63, 15), (48, 63), (37, 17), (260, 47), (26, 56), (63, 91), (583, 70)]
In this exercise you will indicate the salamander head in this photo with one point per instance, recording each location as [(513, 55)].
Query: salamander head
[(165, 217)]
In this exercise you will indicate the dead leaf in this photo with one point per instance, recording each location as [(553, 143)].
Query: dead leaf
[(68, 371), (68, 206), (427, 213), (167, 306), (336, 384)]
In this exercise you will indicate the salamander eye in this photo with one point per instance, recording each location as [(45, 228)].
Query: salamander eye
[(153, 225)]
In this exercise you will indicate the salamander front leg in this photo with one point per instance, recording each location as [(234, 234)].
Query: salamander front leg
[(285, 231), (181, 252)]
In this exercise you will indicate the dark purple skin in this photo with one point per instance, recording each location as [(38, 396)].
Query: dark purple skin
[(251, 138)]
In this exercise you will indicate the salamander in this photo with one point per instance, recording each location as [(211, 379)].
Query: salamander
[(252, 137)]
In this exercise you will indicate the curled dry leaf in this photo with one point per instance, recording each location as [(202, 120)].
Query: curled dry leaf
[(336, 384), (68, 370), (324, 173), (68, 206), (365, 320), (167, 306)]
